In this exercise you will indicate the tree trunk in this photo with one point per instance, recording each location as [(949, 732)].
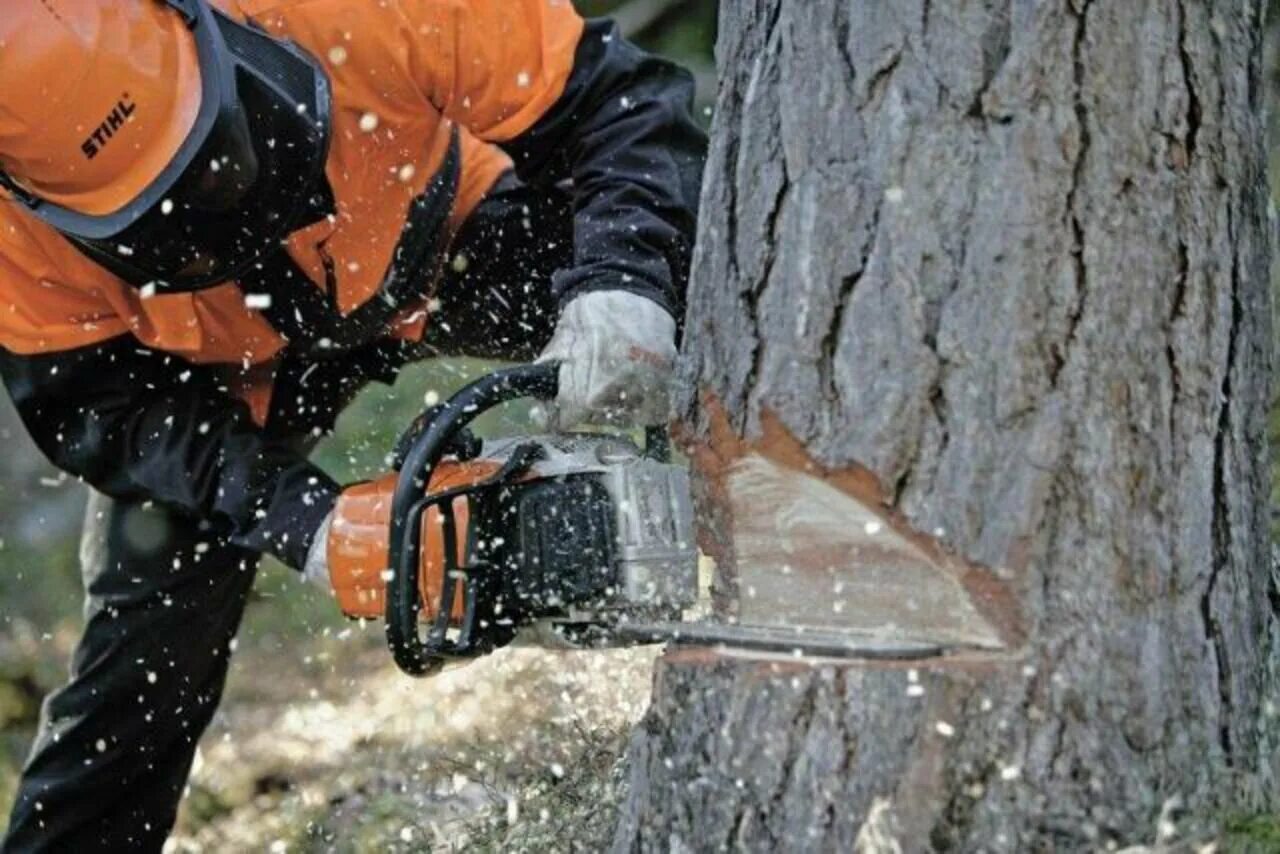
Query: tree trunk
[(995, 273)]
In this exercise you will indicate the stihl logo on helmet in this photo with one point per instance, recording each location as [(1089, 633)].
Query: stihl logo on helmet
[(103, 133)]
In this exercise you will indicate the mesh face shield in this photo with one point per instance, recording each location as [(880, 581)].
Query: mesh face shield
[(250, 172)]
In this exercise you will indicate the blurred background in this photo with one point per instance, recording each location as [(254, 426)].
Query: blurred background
[(320, 744)]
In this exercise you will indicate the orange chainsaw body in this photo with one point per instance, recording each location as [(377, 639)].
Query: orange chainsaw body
[(358, 540)]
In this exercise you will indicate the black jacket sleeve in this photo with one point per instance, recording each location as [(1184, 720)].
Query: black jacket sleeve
[(624, 133), (142, 425)]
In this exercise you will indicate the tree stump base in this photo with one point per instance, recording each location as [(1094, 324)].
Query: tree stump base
[(945, 753)]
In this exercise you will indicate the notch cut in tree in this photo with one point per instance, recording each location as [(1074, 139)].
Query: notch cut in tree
[(994, 276)]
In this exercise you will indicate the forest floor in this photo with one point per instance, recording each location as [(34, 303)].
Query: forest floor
[(515, 752), (322, 745)]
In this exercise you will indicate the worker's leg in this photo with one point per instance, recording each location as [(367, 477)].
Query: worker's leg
[(163, 601), (495, 299)]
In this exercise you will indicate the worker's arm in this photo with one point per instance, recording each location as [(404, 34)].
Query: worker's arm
[(569, 99), (623, 131), (139, 424)]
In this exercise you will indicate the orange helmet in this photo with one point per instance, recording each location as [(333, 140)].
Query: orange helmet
[(170, 143), (97, 97)]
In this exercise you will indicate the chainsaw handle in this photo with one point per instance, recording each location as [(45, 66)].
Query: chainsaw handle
[(539, 380), (436, 439)]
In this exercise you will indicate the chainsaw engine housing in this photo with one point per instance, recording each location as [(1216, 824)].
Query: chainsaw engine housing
[(594, 531), (576, 533), (584, 532)]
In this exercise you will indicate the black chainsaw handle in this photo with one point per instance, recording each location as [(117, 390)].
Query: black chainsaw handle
[(539, 380)]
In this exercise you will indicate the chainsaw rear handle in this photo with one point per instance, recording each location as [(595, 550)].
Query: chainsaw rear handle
[(407, 647), (411, 653)]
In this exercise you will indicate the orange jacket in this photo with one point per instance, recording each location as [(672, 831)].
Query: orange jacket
[(132, 393), (399, 86)]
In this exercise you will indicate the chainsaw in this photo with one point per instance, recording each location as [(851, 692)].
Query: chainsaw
[(586, 537)]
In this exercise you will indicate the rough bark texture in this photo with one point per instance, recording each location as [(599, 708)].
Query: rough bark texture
[(1011, 257)]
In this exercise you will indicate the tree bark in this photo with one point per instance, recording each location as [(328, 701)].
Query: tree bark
[(998, 271)]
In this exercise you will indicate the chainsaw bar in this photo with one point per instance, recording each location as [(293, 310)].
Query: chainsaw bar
[(799, 642)]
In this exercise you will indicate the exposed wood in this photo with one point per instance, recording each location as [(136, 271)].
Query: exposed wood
[(1011, 260), (809, 555)]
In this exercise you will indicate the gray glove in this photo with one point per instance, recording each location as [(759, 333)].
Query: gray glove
[(616, 352)]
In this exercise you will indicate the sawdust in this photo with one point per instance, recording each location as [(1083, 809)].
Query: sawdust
[(513, 752)]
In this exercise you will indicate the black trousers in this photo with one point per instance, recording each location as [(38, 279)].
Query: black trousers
[(164, 595)]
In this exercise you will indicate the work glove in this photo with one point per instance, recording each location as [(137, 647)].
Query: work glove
[(348, 555), (616, 352)]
